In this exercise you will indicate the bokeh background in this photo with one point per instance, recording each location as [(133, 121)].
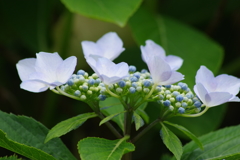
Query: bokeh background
[(30, 26)]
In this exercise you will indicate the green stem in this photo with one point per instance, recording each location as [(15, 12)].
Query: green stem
[(96, 109), (140, 134), (146, 97), (111, 93), (196, 115), (128, 122)]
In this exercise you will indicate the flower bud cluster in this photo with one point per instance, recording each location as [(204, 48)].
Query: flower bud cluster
[(85, 87), (138, 85), (179, 99)]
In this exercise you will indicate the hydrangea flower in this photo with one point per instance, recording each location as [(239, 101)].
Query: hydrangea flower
[(48, 70), (161, 71), (109, 46), (108, 71), (152, 49), (214, 91)]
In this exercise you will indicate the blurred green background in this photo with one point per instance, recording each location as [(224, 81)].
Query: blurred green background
[(30, 26)]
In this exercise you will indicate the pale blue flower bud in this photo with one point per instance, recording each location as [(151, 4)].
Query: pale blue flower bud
[(179, 98), (134, 84), (160, 97), (137, 74), (81, 72), (84, 88), (144, 71), (181, 110), (91, 81), (132, 90), (70, 82), (122, 84), (189, 95), (166, 103), (102, 97), (147, 83), (132, 69), (184, 104), (197, 104), (183, 85), (168, 86), (77, 93), (97, 81), (133, 79), (175, 93)]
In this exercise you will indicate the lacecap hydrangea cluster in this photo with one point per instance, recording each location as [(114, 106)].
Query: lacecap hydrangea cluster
[(176, 98)]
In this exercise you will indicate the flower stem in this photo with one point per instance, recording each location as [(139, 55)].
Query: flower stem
[(95, 108), (140, 134), (196, 115), (111, 93)]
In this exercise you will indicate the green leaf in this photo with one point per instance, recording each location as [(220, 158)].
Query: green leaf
[(186, 132), (93, 148), (218, 145), (108, 118), (171, 141), (178, 39), (138, 121), (117, 12), (112, 106), (25, 136), (68, 125), (140, 111), (27, 151), (10, 158)]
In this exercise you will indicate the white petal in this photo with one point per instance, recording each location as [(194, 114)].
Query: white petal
[(92, 63), (47, 63), (217, 98), (234, 99), (201, 92), (26, 67), (121, 69), (90, 48), (111, 45), (175, 77), (34, 86), (175, 62), (152, 49), (66, 69), (159, 69), (110, 80), (206, 78), (105, 66), (227, 83)]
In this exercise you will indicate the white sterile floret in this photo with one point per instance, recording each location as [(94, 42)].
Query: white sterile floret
[(48, 70), (107, 71), (109, 46), (161, 72), (153, 49), (213, 91)]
